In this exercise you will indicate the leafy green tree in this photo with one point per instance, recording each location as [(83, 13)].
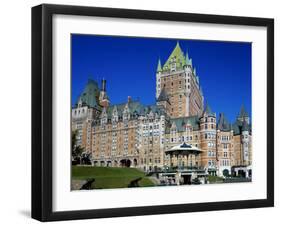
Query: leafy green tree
[(77, 150)]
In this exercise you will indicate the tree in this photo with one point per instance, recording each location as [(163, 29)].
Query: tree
[(77, 150)]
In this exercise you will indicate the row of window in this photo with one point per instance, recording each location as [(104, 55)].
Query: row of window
[(211, 144), (211, 153), (225, 138), (181, 139), (212, 119), (146, 127), (211, 127), (79, 111), (144, 161), (224, 162), (210, 136)]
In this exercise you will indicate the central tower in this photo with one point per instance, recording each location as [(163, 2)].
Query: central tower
[(181, 84)]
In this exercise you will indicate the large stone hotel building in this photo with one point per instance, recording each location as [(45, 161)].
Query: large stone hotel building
[(137, 135)]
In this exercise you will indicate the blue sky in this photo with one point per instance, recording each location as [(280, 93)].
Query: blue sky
[(129, 66)]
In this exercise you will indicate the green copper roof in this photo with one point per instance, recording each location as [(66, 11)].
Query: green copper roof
[(135, 109), (159, 67), (176, 56), (182, 122), (239, 126), (90, 95)]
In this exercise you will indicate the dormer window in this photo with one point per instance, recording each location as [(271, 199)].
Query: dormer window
[(173, 67), (173, 64)]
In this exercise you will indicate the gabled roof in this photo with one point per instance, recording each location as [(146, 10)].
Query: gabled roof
[(90, 95), (223, 124), (182, 122), (135, 109)]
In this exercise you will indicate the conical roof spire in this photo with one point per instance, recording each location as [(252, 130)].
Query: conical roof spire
[(186, 56), (243, 113), (159, 67), (190, 62), (208, 110), (223, 123), (187, 60)]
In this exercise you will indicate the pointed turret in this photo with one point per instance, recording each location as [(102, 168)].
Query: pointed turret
[(243, 113), (208, 111), (188, 61), (223, 124), (159, 67), (186, 57)]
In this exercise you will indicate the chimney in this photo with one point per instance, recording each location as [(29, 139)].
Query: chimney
[(129, 99), (103, 85)]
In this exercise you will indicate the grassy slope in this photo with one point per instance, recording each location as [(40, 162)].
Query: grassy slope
[(110, 177)]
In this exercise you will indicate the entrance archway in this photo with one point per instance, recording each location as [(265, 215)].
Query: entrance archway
[(135, 162), (125, 162), (250, 173), (241, 173)]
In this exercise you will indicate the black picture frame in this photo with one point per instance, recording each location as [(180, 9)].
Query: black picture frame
[(42, 111)]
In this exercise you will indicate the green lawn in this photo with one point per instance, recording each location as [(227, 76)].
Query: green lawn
[(110, 177)]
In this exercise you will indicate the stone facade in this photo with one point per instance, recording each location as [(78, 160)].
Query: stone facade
[(137, 135)]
